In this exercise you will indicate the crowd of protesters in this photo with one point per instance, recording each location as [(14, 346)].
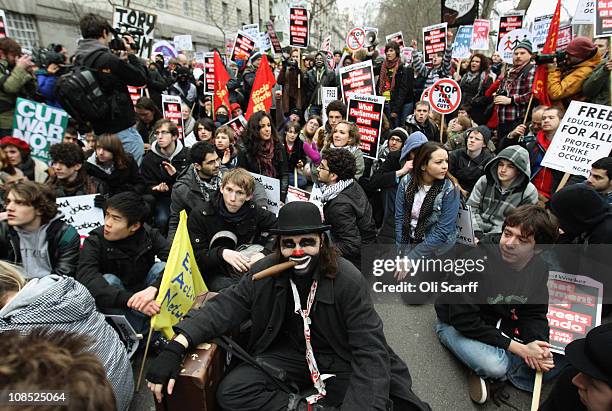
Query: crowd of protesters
[(144, 173)]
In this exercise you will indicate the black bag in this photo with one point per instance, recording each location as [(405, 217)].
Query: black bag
[(80, 94)]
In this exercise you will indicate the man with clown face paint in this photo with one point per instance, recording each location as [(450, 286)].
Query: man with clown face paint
[(315, 320)]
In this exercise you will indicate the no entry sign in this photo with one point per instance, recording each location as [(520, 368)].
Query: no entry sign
[(355, 39), (445, 96)]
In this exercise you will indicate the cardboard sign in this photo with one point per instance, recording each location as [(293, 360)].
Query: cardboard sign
[(445, 96), (434, 40), (564, 37), (366, 112), (407, 53), (276, 46), (39, 125), (506, 46), (272, 189), (459, 12), (171, 109), (126, 332), (583, 137), (539, 31), (355, 39), (209, 72), (357, 78), (238, 124), (4, 31), (183, 42), (136, 93), (80, 212), (396, 37), (480, 35), (465, 230), (166, 49), (296, 194), (574, 308), (252, 30), (264, 42), (462, 43), (328, 94), (603, 18), (298, 27), (509, 22), (130, 19), (585, 12), (243, 47)]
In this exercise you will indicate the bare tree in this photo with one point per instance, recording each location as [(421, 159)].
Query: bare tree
[(409, 17)]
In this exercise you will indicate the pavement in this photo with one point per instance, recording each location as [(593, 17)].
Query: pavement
[(437, 377)]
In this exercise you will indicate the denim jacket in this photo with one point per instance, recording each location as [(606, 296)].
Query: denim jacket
[(441, 229)]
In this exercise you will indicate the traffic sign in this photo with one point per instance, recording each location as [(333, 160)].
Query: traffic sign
[(445, 96), (355, 39)]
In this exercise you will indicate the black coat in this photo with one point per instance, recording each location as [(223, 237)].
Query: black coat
[(352, 225), (249, 162), (385, 179), (311, 86), (343, 312), (153, 172), (120, 180), (403, 92), (129, 259), (468, 170)]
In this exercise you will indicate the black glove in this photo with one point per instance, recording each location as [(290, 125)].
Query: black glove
[(167, 365), (100, 201)]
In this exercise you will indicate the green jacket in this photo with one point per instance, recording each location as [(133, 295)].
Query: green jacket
[(596, 88), (12, 83)]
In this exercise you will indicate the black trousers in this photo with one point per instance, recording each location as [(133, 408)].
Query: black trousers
[(246, 388)]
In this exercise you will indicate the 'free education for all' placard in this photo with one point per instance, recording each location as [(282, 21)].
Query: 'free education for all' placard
[(366, 112), (357, 78), (583, 137), (298, 27)]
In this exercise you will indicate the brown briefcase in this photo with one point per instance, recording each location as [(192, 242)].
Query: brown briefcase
[(202, 370)]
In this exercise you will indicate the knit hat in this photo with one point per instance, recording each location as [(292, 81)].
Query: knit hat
[(399, 132), (579, 208), (582, 48), (525, 44), (234, 106), (255, 56), (484, 130), (17, 142)]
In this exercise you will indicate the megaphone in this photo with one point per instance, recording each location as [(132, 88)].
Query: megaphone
[(371, 39)]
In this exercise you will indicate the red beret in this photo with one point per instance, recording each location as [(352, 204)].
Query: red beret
[(17, 142), (581, 48), (234, 106)]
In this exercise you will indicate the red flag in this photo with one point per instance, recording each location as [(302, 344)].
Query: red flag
[(221, 95), (261, 93), (540, 84)]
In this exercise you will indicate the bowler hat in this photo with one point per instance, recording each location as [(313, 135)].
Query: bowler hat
[(299, 217), (593, 355)]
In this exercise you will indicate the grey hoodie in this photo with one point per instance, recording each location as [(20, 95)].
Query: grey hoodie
[(490, 203), (155, 148), (63, 304), (34, 251), (86, 46)]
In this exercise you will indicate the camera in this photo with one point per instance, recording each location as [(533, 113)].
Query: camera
[(116, 43), (560, 55), (43, 57)]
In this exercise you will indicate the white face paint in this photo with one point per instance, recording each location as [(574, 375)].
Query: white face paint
[(301, 249)]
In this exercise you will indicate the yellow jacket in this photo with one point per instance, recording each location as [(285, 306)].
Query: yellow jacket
[(570, 86)]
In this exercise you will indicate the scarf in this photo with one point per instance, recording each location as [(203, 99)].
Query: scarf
[(265, 154), (27, 167), (350, 149), (384, 74), (332, 191), (237, 217), (207, 187), (424, 213)]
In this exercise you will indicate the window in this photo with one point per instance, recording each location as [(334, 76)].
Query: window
[(162, 4), (22, 29), (225, 13), (239, 18), (187, 8)]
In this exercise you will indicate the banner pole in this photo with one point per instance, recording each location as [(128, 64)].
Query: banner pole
[(441, 128), (531, 101), (295, 177), (299, 68), (144, 359), (537, 389)]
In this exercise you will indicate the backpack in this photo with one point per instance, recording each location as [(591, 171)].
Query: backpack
[(80, 94)]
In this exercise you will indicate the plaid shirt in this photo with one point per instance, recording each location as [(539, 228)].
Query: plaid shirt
[(517, 84)]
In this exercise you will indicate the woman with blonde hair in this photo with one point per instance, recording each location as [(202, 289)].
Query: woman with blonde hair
[(346, 136)]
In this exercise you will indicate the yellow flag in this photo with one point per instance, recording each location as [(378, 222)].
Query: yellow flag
[(181, 282)]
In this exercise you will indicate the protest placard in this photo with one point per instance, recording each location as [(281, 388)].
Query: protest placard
[(574, 308), (506, 46), (209, 72), (407, 53), (465, 230), (136, 93), (264, 42), (583, 137), (509, 22), (273, 37), (253, 32), (166, 49), (434, 40), (396, 37), (125, 19), (445, 96), (328, 94), (564, 37), (298, 27), (183, 42), (357, 78), (585, 12), (463, 41), (480, 34), (198, 65), (80, 212), (366, 112), (243, 47), (171, 109), (126, 332), (603, 18), (238, 125), (296, 194), (4, 31), (272, 190), (539, 31), (39, 125), (459, 12), (355, 39)]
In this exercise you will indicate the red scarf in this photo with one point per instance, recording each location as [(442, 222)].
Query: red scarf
[(265, 154), (384, 78), (543, 180)]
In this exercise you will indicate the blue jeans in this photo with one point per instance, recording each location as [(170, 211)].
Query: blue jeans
[(162, 214), (302, 182), (138, 320), (132, 143)]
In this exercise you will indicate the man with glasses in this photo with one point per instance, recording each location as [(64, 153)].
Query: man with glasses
[(161, 166)]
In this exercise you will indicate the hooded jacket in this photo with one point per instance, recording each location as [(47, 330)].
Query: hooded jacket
[(312, 87), (430, 130), (567, 86), (63, 304), (596, 87), (14, 82), (153, 171), (490, 203)]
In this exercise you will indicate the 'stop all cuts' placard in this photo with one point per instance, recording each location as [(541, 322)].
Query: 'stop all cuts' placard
[(434, 40), (583, 137), (298, 27), (366, 112), (125, 19), (603, 18), (39, 125), (357, 79), (509, 22)]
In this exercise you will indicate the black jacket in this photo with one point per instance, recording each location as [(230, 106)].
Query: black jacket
[(296, 155), (206, 221), (113, 75), (153, 172), (431, 131), (466, 169), (384, 179), (120, 180), (248, 161), (63, 243), (403, 92), (343, 312), (311, 86), (129, 259), (352, 225)]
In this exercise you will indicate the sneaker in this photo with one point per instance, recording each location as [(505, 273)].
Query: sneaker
[(478, 388)]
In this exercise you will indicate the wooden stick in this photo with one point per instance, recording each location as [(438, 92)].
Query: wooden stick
[(274, 270), (441, 128), (529, 108), (537, 390), (144, 359), (295, 174), (563, 181), (299, 69)]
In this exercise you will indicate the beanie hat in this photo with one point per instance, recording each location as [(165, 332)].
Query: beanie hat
[(255, 56), (484, 130), (399, 132), (582, 48), (234, 106), (525, 44), (17, 142)]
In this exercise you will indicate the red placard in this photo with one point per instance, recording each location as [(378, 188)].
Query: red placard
[(357, 78), (445, 96), (603, 18), (209, 72), (564, 37), (434, 40), (273, 37), (298, 27), (355, 39), (243, 47), (171, 106)]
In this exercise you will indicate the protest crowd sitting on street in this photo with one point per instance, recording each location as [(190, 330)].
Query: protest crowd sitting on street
[(256, 202)]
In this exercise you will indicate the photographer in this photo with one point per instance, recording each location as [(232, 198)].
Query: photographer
[(51, 65), (16, 80), (565, 78), (288, 78), (115, 71)]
